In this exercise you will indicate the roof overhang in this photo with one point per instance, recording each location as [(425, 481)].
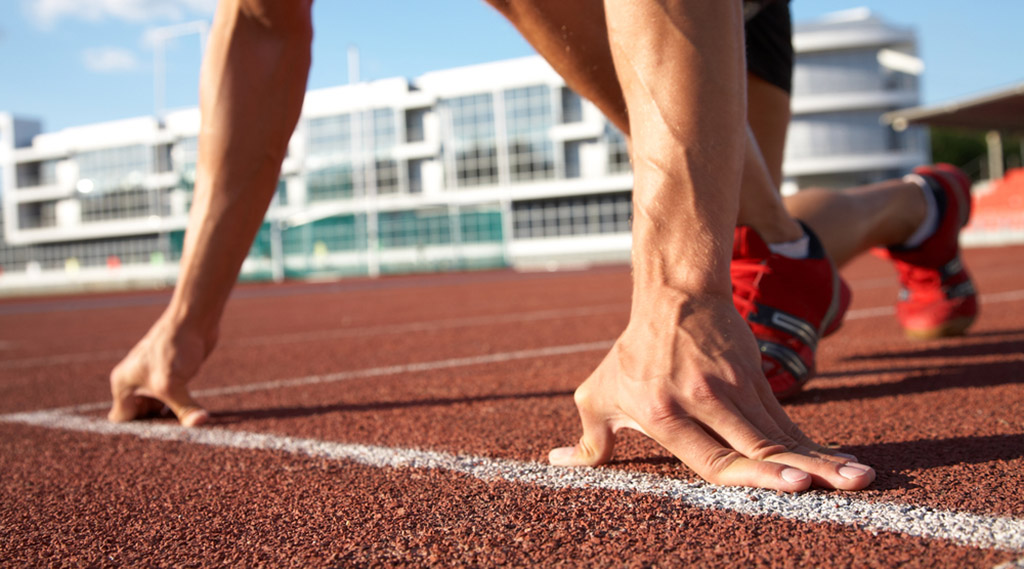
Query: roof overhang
[(1000, 110)]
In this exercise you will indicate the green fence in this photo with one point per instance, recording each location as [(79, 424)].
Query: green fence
[(408, 241)]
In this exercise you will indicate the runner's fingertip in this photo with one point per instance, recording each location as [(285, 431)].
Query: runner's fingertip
[(562, 456), (194, 417), (121, 411)]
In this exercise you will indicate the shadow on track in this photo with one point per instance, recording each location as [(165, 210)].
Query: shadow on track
[(898, 458), (989, 342), (919, 377), (231, 417)]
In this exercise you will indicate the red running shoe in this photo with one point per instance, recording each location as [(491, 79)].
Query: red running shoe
[(789, 304), (937, 297)]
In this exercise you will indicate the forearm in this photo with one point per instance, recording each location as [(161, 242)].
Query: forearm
[(252, 86), (687, 116)]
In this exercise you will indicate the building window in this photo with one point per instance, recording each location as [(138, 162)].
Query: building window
[(415, 176), (281, 193), (836, 134), (339, 233), (382, 122), (331, 183), (618, 151), (572, 106), (112, 169), (162, 158), (92, 253), (529, 115), (480, 226), (36, 215), (853, 71), (415, 228), (385, 166), (571, 150), (128, 204), (579, 215), (415, 130), (474, 140), (329, 137), (386, 174), (33, 174), (184, 157)]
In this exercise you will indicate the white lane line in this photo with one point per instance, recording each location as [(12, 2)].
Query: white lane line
[(1017, 564), (1007, 296), (61, 359), (965, 528), (426, 326), (408, 368), (449, 363)]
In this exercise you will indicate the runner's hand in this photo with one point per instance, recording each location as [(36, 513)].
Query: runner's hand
[(698, 390)]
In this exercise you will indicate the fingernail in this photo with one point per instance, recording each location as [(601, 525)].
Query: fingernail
[(794, 475), (846, 456), (853, 470)]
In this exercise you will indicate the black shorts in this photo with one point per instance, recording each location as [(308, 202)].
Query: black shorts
[(769, 36)]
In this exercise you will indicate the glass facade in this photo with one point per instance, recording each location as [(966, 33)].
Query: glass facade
[(112, 169), (473, 139), (847, 71), (35, 215), (35, 174), (331, 183), (415, 125), (128, 204), (618, 151), (330, 137), (330, 141), (528, 117), (322, 237), (383, 141), (110, 253), (349, 169), (186, 154), (415, 228), (578, 215), (349, 155), (572, 106)]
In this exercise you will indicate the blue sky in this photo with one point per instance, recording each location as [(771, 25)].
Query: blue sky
[(73, 62)]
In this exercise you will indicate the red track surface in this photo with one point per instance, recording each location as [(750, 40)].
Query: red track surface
[(942, 422)]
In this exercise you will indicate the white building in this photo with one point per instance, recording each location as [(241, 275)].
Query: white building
[(483, 166), (851, 68)]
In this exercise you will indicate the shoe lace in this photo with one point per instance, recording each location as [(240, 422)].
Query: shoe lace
[(746, 274)]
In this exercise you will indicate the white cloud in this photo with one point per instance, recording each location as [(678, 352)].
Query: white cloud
[(48, 12), (109, 60)]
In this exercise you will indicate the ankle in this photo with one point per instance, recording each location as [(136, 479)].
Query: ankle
[(917, 212), (925, 217)]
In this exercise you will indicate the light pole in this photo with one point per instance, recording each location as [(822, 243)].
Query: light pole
[(160, 36)]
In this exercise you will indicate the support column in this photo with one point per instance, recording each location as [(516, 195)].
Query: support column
[(995, 154), (276, 251)]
